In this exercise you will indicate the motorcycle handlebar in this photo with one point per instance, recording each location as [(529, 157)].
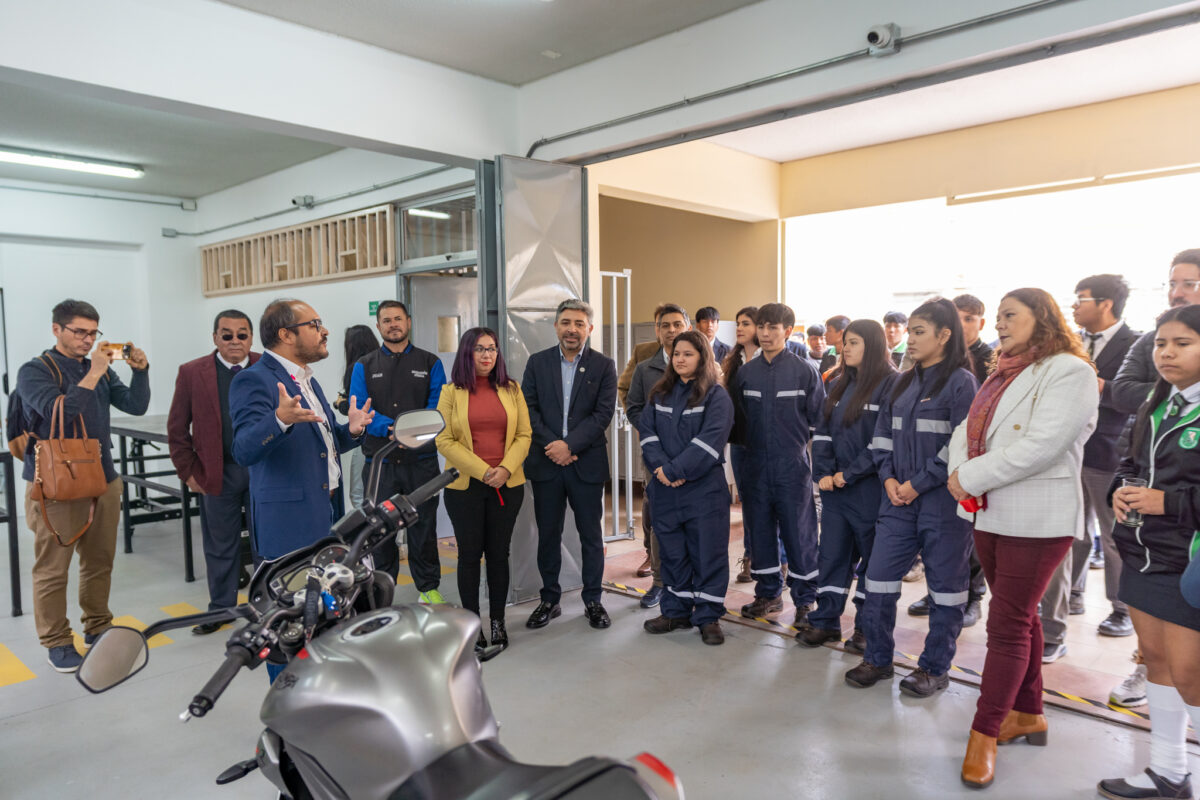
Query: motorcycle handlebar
[(425, 491), (235, 658)]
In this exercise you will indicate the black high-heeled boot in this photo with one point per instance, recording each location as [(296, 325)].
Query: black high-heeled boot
[(499, 634)]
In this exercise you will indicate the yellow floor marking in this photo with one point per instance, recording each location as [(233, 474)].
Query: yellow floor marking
[(11, 669), (133, 622), (243, 597), (447, 570), (403, 580), (180, 610)]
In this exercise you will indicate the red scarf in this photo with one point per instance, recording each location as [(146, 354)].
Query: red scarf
[(979, 418)]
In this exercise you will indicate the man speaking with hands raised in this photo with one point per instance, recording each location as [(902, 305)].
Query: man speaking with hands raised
[(284, 432)]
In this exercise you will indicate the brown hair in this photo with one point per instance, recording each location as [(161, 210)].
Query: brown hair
[(706, 370), (1051, 334)]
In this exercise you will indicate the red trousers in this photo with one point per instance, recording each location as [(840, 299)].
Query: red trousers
[(1017, 571)]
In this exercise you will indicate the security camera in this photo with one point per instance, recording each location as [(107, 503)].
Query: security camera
[(303, 201), (883, 40)]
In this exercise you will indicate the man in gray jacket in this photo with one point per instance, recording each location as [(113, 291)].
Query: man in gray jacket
[(670, 321), (1128, 391)]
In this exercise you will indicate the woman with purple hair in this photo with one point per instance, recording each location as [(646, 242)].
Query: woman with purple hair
[(486, 438)]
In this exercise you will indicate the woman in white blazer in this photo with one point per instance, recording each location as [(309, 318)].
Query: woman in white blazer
[(1017, 460)]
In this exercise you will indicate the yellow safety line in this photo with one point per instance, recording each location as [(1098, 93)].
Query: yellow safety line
[(12, 670)]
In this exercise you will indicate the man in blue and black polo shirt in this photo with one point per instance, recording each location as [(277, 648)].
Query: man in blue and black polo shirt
[(399, 377)]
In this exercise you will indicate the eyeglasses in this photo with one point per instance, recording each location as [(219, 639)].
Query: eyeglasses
[(82, 334), (485, 351), (1191, 286), (316, 324), (243, 336), (1081, 300)]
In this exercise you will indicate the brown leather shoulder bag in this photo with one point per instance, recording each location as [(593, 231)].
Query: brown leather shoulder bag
[(67, 469)]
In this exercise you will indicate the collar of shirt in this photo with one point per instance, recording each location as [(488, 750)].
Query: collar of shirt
[(298, 373), (1191, 396), (1105, 334), (666, 358), (245, 362), (388, 352), (578, 356)]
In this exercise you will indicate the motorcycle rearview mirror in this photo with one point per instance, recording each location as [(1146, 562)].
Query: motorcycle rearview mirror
[(117, 655), (418, 428), (411, 430)]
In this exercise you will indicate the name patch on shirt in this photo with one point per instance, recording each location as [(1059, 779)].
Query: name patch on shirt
[(377, 375), (420, 373)]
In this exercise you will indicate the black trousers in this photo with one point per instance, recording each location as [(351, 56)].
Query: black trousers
[(423, 562), (221, 533), (483, 519), (550, 500)]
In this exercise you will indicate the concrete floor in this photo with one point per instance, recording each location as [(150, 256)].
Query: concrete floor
[(758, 717)]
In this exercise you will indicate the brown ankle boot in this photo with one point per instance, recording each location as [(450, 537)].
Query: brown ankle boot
[(1017, 724), (979, 765)]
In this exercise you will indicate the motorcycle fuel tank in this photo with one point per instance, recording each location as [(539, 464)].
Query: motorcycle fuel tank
[(382, 695)]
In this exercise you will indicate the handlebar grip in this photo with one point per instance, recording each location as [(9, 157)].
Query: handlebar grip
[(427, 490), (235, 659)]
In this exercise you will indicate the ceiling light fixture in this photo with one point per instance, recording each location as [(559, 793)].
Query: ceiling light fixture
[(425, 212), (39, 158)]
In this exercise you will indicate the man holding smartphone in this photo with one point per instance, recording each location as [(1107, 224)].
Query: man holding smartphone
[(77, 367), (200, 438)]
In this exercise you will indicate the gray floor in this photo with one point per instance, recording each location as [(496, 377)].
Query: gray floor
[(755, 718)]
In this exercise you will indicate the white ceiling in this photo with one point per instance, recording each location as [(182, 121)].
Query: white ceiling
[(182, 156), (498, 39), (1146, 64)]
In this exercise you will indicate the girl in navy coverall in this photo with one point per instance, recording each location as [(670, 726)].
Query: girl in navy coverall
[(844, 469), (917, 513), (684, 428)]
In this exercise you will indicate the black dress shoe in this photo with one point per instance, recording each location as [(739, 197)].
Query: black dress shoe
[(542, 615), (762, 606), (971, 613), (665, 624), (597, 617), (1120, 789), (815, 637), (919, 608), (921, 684), (866, 675), (499, 633), (711, 633), (856, 644), (205, 628), (652, 597)]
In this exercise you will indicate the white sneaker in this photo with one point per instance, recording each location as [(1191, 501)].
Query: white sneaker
[(1131, 691)]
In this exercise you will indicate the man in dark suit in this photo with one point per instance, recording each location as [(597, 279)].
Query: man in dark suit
[(571, 392), (707, 321), (285, 433), (200, 438), (1099, 304)]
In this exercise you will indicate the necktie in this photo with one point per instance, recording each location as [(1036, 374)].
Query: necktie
[(235, 369), (1093, 338), (1176, 406)]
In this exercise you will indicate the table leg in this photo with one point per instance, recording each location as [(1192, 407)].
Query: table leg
[(189, 570), (125, 510)]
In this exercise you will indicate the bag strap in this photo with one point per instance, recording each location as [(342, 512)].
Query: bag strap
[(80, 532)]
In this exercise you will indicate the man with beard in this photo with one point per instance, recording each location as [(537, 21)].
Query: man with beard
[(399, 377), (285, 433), (571, 391)]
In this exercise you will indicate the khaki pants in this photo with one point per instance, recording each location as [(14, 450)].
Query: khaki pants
[(52, 562)]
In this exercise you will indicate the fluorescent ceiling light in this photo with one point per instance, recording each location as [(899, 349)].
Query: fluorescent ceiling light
[(1018, 189), (425, 212), (1139, 172), (38, 158)]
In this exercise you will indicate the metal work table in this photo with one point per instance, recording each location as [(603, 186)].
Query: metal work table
[(8, 515), (144, 499)]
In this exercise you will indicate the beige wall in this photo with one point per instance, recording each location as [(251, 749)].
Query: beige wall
[(687, 258), (1147, 131)]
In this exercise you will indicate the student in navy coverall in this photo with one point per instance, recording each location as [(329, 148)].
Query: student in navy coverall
[(781, 394), (844, 468), (683, 429), (918, 514)]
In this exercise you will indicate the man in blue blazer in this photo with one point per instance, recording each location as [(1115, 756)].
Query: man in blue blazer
[(285, 433), (571, 392)]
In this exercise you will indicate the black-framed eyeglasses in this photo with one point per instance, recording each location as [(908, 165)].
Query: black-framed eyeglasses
[(240, 335), (316, 324), (82, 334), (485, 351)]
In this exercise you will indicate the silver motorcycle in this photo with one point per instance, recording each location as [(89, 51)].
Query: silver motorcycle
[(374, 700)]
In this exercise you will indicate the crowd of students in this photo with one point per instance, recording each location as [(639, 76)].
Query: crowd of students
[(932, 447)]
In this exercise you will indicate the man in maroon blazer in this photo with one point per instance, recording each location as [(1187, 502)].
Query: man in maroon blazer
[(200, 437)]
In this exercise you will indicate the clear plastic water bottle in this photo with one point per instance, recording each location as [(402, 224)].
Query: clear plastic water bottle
[(1134, 518)]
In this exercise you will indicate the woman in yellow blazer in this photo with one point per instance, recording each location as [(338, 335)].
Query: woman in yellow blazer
[(486, 438)]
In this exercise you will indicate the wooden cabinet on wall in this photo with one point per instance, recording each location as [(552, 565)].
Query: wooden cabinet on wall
[(347, 246)]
